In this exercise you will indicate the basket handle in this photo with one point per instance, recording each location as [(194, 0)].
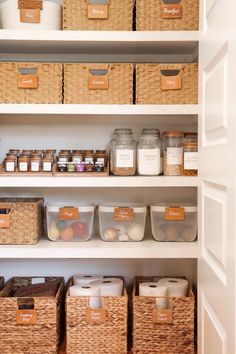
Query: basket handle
[(171, 2), (162, 315), (98, 2), (171, 9), (27, 77), (26, 313), (171, 79)]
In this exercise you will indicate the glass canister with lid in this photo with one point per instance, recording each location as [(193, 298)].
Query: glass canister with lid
[(173, 153), (190, 159), (124, 155), (117, 132), (149, 155)]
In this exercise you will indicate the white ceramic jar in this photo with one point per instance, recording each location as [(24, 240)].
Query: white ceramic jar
[(50, 16)]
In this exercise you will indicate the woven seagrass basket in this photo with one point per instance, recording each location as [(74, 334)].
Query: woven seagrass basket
[(30, 82), (21, 221), (158, 15), (117, 15), (98, 83), (109, 337), (166, 83), (42, 334), (175, 337)]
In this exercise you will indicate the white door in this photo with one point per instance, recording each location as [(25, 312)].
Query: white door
[(217, 201)]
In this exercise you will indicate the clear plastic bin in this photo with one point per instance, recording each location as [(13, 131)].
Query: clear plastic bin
[(69, 224), (122, 222), (173, 223)]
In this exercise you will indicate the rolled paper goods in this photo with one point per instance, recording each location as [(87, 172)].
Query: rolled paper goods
[(153, 289), (177, 287), (92, 291), (110, 286), (85, 279)]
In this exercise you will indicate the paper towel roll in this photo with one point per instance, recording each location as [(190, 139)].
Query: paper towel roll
[(176, 287), (110, 286), (92, 290), (155, 289), (79, 279)]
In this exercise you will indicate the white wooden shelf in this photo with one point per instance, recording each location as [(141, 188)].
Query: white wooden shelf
[(110, 181), (98, 249), (99, 42)]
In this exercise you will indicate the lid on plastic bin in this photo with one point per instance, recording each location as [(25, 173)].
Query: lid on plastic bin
[(190, 208), (82, 209), (110, 208)]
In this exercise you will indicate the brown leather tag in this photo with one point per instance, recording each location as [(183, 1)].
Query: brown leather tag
[(4, 221), (98, 316), (98, 82), (171, 83), (162, 316), (30, 15), (171, 11), (124, 214), (26, 317), (176, 214), (69, 214), (30, 4), (27, 81), (97, 11)]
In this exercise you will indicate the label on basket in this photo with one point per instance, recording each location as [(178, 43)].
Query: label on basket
[(30, 15), (69, 214), (171, 11), (26, 317), (97, 11), (162, 316), (124, 214), (171, 83), (98, 82), (96, 316), (4, 221), (176, 214), (27, 81)]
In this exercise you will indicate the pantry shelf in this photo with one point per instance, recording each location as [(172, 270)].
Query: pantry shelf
[(100, 42), (101, 250), (110, 181)]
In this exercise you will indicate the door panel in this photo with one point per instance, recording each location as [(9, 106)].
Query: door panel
[(217, 147)]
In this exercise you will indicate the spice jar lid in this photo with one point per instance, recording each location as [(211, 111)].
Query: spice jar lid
[(88, 152), (36, 158), (174, 134)]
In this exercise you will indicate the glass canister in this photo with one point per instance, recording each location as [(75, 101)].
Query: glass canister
[(173, 153), (116, 133), (151, 131), (149, 156), (124, 156), (190, 159), (190, 137)]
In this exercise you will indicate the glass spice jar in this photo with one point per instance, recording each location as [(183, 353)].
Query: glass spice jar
[(47, 163), (190, 159), (149, 156), (23, 163), (35, 164), (62, 166), (173, 153), (70, 167), (10, 163), (63, 157), (89, 167), (101, 157), (89, 156), (79, 167), (77, 157), (14, 152), (124, 156)]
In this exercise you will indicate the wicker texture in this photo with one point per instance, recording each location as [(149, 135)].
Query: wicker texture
[(107, 338), (49, 88), (1, 283), (174, 338), (149, 90), (120, 90), (75, 16), (41, 338), (149, 18), (26, 221)]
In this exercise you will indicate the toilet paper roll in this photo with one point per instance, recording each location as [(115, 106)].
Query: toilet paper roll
[(155, 289), (176, 287), (92, 290), (110, 286), (79, 279)]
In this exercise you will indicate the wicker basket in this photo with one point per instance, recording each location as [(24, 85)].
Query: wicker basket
[(157, 15), (162, 338), (117, 15), (109, 337), (22, 221), (84, 84), (167, 83), (43, 332), (30, 83)]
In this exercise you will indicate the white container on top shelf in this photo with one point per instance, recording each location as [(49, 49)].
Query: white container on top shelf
[(122, 221), (173, 223), (74, 223), (45, 16)]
